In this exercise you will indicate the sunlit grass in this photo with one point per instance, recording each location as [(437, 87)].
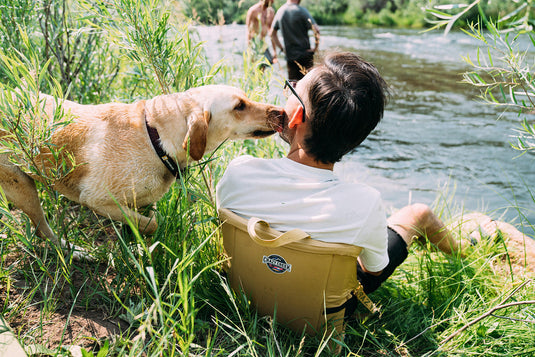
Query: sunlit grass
[(168, 293), (172, 296)]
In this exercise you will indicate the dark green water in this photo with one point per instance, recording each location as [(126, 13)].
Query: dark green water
[(435, 140)]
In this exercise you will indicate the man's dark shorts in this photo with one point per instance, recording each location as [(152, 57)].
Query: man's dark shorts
[(397, 253)]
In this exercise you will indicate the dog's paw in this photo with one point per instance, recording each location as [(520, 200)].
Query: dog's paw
[(79, 254), (149, 228)]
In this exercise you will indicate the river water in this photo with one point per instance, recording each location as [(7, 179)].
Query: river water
[(436, 139)]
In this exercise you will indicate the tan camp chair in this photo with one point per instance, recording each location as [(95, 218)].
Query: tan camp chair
[(304, 282)]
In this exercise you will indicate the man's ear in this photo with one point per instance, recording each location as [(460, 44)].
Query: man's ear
[(297, 118), (196, 135)]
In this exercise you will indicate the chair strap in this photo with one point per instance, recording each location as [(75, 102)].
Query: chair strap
[(258, 231), (350, 305), (364, 299)]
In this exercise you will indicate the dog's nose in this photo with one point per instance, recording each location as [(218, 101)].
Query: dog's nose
[(277, 117), (281, 120)]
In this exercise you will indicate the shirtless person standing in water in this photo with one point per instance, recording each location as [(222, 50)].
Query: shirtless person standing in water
[(259, 17), (258, 21)]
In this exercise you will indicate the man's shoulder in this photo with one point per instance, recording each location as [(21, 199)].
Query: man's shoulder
[(283, 7), (281, 10), (250, 161), (363, 191), (254, 9)]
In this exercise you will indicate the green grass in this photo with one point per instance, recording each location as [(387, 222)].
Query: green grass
[(166, 293), (169, 291)]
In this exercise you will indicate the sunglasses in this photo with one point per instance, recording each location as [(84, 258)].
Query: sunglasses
[(290, 85)]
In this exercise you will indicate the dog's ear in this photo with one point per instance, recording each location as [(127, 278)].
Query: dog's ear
[(196, 135)]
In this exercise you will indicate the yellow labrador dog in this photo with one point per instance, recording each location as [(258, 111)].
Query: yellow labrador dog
[(132, 153)]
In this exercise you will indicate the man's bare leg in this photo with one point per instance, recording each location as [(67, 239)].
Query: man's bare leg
[(418, 221)]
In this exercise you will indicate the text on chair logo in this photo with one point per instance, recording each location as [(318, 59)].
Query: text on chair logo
[(277, 264)]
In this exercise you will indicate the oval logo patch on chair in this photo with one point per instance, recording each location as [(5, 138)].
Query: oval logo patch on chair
[(276, 264)]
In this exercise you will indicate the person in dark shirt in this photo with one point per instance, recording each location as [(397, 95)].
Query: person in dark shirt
[(294, 22)]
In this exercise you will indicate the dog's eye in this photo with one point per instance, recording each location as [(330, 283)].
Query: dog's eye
[(240, 106)]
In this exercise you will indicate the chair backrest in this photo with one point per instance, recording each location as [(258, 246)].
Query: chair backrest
[(289, 275)]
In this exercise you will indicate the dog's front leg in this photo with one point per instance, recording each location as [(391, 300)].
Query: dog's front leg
[(145, 225)]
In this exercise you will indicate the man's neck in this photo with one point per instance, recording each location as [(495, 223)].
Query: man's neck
[(299, 155)]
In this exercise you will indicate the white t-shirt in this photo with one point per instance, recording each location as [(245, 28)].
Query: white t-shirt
[(290, 195)]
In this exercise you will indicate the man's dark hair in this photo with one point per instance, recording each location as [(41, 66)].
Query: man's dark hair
[(346, 97)]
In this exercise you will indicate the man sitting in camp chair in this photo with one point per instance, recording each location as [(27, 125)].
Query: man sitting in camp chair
[(330, 112)]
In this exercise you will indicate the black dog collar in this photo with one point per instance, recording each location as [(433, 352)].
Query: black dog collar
[(155, 140)]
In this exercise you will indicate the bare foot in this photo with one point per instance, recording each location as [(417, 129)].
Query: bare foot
[(478, 226), (487, 229), (474, 226)]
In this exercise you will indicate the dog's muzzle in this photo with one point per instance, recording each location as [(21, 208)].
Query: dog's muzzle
[(280, 119)]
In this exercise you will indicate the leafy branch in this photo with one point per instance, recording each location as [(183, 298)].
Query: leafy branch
[(26, 128), (502, 72), (159, 51)]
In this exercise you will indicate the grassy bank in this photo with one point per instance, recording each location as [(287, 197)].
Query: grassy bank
[(164, 295)]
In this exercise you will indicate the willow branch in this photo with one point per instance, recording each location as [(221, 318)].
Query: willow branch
[(491, 311)]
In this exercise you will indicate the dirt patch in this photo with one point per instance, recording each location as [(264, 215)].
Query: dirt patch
[(74, 311), (66, 323), (79, 327)]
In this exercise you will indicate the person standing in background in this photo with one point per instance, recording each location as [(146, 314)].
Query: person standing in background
[(258, 22), (294, 21)]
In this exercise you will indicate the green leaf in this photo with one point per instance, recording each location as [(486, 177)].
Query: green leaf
[(481, 331)]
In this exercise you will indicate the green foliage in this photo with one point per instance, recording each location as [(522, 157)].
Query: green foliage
[(216, 12), (398, 13), (169, 289), (502, 71), (142, 33), (79, 57), (326, 12), (24, 124), (14, 14)]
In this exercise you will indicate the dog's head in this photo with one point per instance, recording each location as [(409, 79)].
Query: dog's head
[(225, 113)]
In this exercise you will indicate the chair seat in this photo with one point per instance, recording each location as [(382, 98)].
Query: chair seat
[(289, 275)]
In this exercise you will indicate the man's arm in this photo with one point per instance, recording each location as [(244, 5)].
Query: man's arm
[(275, 42), (315, 28), (269, 22), (374, 273), (250, 24)]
